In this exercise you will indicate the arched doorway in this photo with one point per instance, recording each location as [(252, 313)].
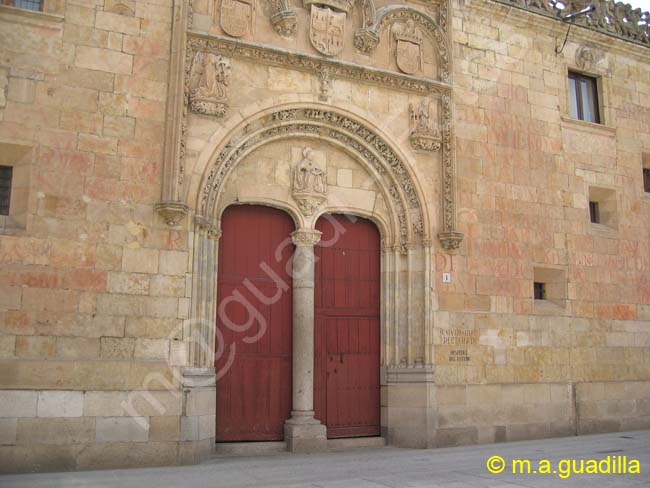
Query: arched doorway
[(254, 316), (347, 326)]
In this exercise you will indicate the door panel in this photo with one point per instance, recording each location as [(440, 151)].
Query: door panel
[(254, 315), (346, 335)]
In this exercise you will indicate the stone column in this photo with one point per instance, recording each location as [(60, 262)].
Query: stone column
[(302, 432)]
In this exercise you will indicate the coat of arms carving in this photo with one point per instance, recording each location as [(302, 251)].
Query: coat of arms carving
[(327, 30), (408, 51), (309, 188), (209, 80), (236, 17)]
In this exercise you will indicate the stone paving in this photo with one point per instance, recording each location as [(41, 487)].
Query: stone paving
[(375, 468)]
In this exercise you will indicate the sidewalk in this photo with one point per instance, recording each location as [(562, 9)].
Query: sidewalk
[(376, 468)]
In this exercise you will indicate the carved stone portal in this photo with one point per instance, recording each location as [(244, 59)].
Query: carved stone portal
[(309, 189), (424, 135), (236, 18), (327, 30), (408, 51), (209, 79)]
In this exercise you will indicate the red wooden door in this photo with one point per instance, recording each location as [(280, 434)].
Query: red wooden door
[(346, 335), (254, 316)]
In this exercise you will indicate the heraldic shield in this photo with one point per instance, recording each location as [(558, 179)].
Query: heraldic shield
[(408, 56), (327, 30), (236, 17)]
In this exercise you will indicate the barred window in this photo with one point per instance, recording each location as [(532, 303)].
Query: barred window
[(646, 180), (28, 4), (6, 173)]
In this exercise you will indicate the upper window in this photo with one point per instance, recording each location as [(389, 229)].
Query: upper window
[(583, 94), (28, 4), (6, 173), (646, 180)]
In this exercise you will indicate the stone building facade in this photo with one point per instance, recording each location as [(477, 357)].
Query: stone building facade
[(509, 309)]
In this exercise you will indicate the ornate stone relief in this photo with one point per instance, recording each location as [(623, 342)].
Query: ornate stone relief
[(366, 39), (324, 124), (424, 135), (327, 30), (208, 83), (610, 17), (408, 48), (237, 17), (313, 64), (309, 188), (325, 80), (587, 57), (284, 20)]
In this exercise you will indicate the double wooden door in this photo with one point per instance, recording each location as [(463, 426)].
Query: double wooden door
[(254, 319)]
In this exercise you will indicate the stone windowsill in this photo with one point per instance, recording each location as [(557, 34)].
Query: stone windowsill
[(27, 16), (602, 230), (549, 307), (588, 127)]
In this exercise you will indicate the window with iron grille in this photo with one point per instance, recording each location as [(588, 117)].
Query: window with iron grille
[(594, 212), (583, 95), (539, 291), (646, 180), (6, 173), (28, 4)]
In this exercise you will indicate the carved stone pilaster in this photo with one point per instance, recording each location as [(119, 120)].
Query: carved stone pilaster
[(171, 207)]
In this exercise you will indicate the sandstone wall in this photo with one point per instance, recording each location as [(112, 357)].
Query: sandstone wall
[(525, 169)]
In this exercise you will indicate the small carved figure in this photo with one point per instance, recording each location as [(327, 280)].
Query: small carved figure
[(309, 187), (209, 80), (424, 133)]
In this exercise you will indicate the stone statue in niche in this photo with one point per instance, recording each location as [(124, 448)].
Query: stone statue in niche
[(309, 189), (408, 49), (236, 17), (209, 80), (424, 134)]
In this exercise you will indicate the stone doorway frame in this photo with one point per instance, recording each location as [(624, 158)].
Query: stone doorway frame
[(406, 268)]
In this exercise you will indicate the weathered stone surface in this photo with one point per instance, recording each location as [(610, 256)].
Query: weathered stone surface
[(122, 429), (60, 404)]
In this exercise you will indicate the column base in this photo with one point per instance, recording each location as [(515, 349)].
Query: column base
[(304, 434)]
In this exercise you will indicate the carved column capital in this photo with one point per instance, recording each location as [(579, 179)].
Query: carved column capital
[(172, 212), (306, 237), (212, 230), (450, 241)]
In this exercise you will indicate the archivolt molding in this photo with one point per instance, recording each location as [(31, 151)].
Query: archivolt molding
[(401, 191)]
